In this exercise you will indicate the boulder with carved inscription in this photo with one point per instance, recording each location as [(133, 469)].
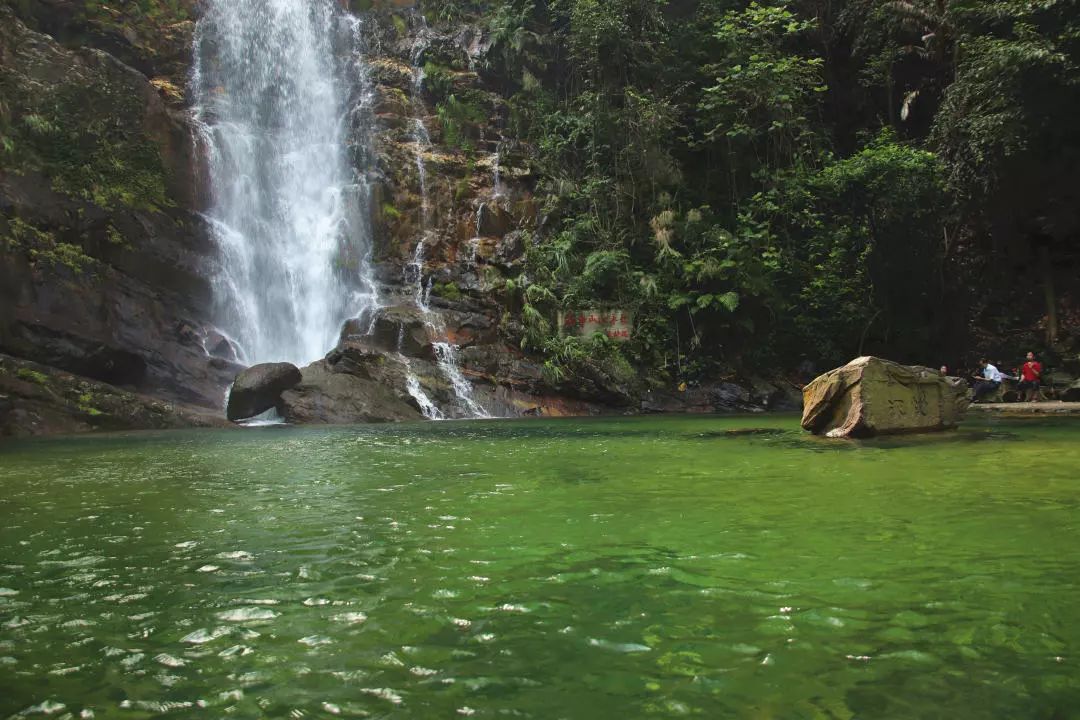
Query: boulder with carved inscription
[(870, 396)]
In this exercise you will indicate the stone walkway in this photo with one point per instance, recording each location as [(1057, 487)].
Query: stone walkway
[(1050, 407)]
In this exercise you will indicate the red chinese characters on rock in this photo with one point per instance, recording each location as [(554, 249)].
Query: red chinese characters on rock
[(615, 324)]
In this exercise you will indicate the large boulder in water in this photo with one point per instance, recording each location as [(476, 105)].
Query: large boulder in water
[(353, 384), (259, 388), (870, 396)]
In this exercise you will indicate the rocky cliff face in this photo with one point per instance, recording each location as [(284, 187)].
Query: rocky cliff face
[(454, 210), (104, 257), (102, 254)]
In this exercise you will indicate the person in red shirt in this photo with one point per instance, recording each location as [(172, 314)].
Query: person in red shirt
[(1030, 378)]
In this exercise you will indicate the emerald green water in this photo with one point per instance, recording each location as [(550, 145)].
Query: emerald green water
[(545, 569)]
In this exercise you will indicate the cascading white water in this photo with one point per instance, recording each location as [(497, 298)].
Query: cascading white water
[(284, 109), (446, 355), (427, 408), (414, 275), (445, 352), (498, 191), (473, 261)]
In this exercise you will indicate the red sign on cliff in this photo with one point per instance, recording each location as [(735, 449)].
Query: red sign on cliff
[(615, 324)]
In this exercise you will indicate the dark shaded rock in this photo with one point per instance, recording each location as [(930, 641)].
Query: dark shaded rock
[(99, 87), (403, 329), (110, 283), (779, 395), (259, 389), (506, 401), (505, 365), (106, 325), (406, 329), (227, 368), (219, 346), (467, 328), (870, 396), (89, 357), (392, 103), (731, 397), (40, 400), (7, 407), (696, 400), (400, 328), (509, 251), (755, 395), (1071, 393), (356, 357), (157, 43), (330, 395), (492, 220)]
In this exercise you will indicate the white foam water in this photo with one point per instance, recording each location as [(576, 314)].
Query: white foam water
[(445, 352), (284, 116)]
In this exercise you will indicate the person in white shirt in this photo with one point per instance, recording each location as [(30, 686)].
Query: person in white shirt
[(990, 382)]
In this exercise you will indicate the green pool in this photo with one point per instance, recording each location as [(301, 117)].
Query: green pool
[(587, 569)]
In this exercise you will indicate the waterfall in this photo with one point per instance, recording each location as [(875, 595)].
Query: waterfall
[(445, 352), (498, 191), (418, 130), (446, 355), (284, 114), (427, 408)]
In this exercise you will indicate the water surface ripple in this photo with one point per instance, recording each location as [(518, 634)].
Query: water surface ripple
[(545, 569)]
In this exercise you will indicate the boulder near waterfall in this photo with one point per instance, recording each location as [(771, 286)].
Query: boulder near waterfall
[(259, 388), (870, 396)]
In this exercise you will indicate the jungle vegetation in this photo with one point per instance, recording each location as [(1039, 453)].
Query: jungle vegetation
[(761, 184), (776, 181)]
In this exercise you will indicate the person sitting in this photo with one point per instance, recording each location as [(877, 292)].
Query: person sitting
[(1030, 379), (990, 381)]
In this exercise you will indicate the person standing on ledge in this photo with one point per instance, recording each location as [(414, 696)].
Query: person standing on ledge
[(989, 382), (1030, 378)]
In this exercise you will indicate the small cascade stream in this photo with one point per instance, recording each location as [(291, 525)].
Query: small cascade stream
[(445, 352), (499, 191), (414, 277)]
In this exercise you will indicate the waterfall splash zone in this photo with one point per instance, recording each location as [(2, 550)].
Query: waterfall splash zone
[(284, 111)]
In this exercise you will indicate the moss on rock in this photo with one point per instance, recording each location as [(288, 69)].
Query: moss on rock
[(85, 133)]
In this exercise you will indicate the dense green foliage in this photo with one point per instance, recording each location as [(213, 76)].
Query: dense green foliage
[(762, 182), (759, 183)]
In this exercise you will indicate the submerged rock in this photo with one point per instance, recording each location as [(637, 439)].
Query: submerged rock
[(259, 388), (870, 396)]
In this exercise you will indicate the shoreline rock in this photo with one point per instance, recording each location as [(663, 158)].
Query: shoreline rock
[(870, 396), (37, 400)]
